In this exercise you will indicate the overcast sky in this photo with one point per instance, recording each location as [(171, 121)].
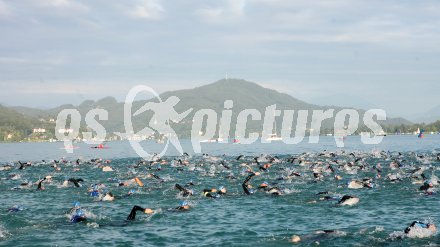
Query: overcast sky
[(374, 53)]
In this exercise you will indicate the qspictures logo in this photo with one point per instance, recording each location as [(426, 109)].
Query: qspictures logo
[(346, 122)]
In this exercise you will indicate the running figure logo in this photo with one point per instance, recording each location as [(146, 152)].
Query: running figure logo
[(163, 114)]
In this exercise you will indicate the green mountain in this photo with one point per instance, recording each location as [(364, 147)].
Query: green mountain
[(244, 94), (15, 126)]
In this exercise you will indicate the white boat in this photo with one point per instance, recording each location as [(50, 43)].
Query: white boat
[(274, 137), (209, 140)]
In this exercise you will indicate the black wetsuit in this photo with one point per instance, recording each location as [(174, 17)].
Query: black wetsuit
[(22, 165), (295, 174), (424, 187), (224, 165), (40, 187), (408, 229), (76, 181), (210, 193), (245, 183), (184, 191), (344, 198), (132, 214), (156, 177)]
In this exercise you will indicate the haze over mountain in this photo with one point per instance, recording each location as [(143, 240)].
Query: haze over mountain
[(343, 100), (426, 115), (244, 94)]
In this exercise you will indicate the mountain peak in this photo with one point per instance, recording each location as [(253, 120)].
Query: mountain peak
[(234, 82), (107, 101)]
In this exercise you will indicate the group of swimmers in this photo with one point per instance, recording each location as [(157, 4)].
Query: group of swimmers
[(313, 167)]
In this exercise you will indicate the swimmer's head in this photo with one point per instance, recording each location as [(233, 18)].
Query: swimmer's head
[(132, 191), (76, 204), (432, 228), (264, 184), (184, 205), (80, 213), (222, 189)]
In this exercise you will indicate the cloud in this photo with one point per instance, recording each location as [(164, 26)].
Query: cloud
[(70, 5), (59, 87), (224, 11), (32, 61), (299, 42), (5, 10), (147, 9)]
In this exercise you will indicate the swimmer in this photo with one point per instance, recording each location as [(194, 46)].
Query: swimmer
[(427, 188), (356, 184), (23, 165), (224, 165), (418, 229), (131, 192), (265, 167), (15, 209), (94, 191), (239, 157), (347, 200), (316, 236), (183, 206), (132, 215), (40, 187), (247, 187), (76, 182), (183, 190), (214, 193), (263, 185), (156, 177), (108, 197), (77, 213), (274, 191)]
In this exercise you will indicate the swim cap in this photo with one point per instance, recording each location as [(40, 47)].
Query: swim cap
[(264, 184), (221, 187), (16, 208), (76, 204), (132, 191), (184, 203), (79, 212), (422, 225)]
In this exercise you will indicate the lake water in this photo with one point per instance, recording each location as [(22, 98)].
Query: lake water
[(234, 219)]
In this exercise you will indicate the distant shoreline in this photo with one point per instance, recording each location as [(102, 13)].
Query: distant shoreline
[(109, 141)]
